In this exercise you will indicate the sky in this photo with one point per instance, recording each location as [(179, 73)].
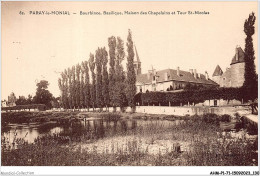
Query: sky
[(37, 47)]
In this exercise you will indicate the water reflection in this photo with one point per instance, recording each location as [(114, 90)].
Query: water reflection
[(83, 130), (96, 128)]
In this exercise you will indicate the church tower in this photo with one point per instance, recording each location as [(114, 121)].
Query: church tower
[(137, 63)]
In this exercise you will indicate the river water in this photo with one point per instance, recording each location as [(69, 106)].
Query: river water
[(95, 129)]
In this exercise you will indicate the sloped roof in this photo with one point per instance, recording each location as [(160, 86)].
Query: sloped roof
[(241, 56), (218, 71), (172, 75)]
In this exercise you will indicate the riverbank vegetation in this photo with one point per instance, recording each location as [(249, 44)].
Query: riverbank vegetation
[(182, 141)]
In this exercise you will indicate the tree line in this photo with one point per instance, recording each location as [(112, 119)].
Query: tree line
[(42, 97), (92, 85)]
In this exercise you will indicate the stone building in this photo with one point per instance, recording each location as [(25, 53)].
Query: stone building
[(168, 79), (233, 76), (11, 100), (171, 80), (176, 79)]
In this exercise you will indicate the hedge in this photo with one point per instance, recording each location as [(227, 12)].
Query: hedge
[(190, 96)]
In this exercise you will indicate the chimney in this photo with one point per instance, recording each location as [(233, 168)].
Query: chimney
[(166, 76), (237, 53), (195, 73), (199, 76), (191, 71), (206, 75), (178, 71)]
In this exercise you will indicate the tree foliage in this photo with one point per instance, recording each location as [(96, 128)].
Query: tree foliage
[(77, 90), (73, 87), (120, 96), (82, 86), (112, 75), (93, 86), (131, 77), (250, 83), (105, 80), (99, 96), (43, 96), (87, 84)]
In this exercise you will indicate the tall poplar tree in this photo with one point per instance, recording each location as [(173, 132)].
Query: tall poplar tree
[(70, 88), (82, 86), (105, 81), (78, 86), (93, 86), (66, 99), (250, 83), (73, 95), (87, 85), (112, 79), (61, 90), (99, 99), (120, 77), (131, 77), (63, 80)]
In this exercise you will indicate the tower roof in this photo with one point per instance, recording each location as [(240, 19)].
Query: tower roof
[(218, 71), (136, 59), (239, 56)]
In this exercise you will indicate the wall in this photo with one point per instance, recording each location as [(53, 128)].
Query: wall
[(237, 74), (220, 102), (163, 86), (182, 111)]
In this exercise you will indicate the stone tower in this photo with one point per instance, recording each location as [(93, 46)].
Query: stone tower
[(233, 76), (137, 63), (237, 68)]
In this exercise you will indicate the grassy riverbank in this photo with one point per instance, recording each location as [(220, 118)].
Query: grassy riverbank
[(195, 142), (42, 116)]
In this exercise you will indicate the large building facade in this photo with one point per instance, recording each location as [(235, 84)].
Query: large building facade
[(171, 80), (233, 76), (168, 79), (176, 79)]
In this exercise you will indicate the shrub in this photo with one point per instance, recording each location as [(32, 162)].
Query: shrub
[(225, 118), (210, 118)]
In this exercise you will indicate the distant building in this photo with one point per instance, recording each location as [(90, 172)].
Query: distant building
[(4, 103), (11, 100), (233, 76)]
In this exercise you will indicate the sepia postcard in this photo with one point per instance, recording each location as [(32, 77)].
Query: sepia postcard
[(122, 83)]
